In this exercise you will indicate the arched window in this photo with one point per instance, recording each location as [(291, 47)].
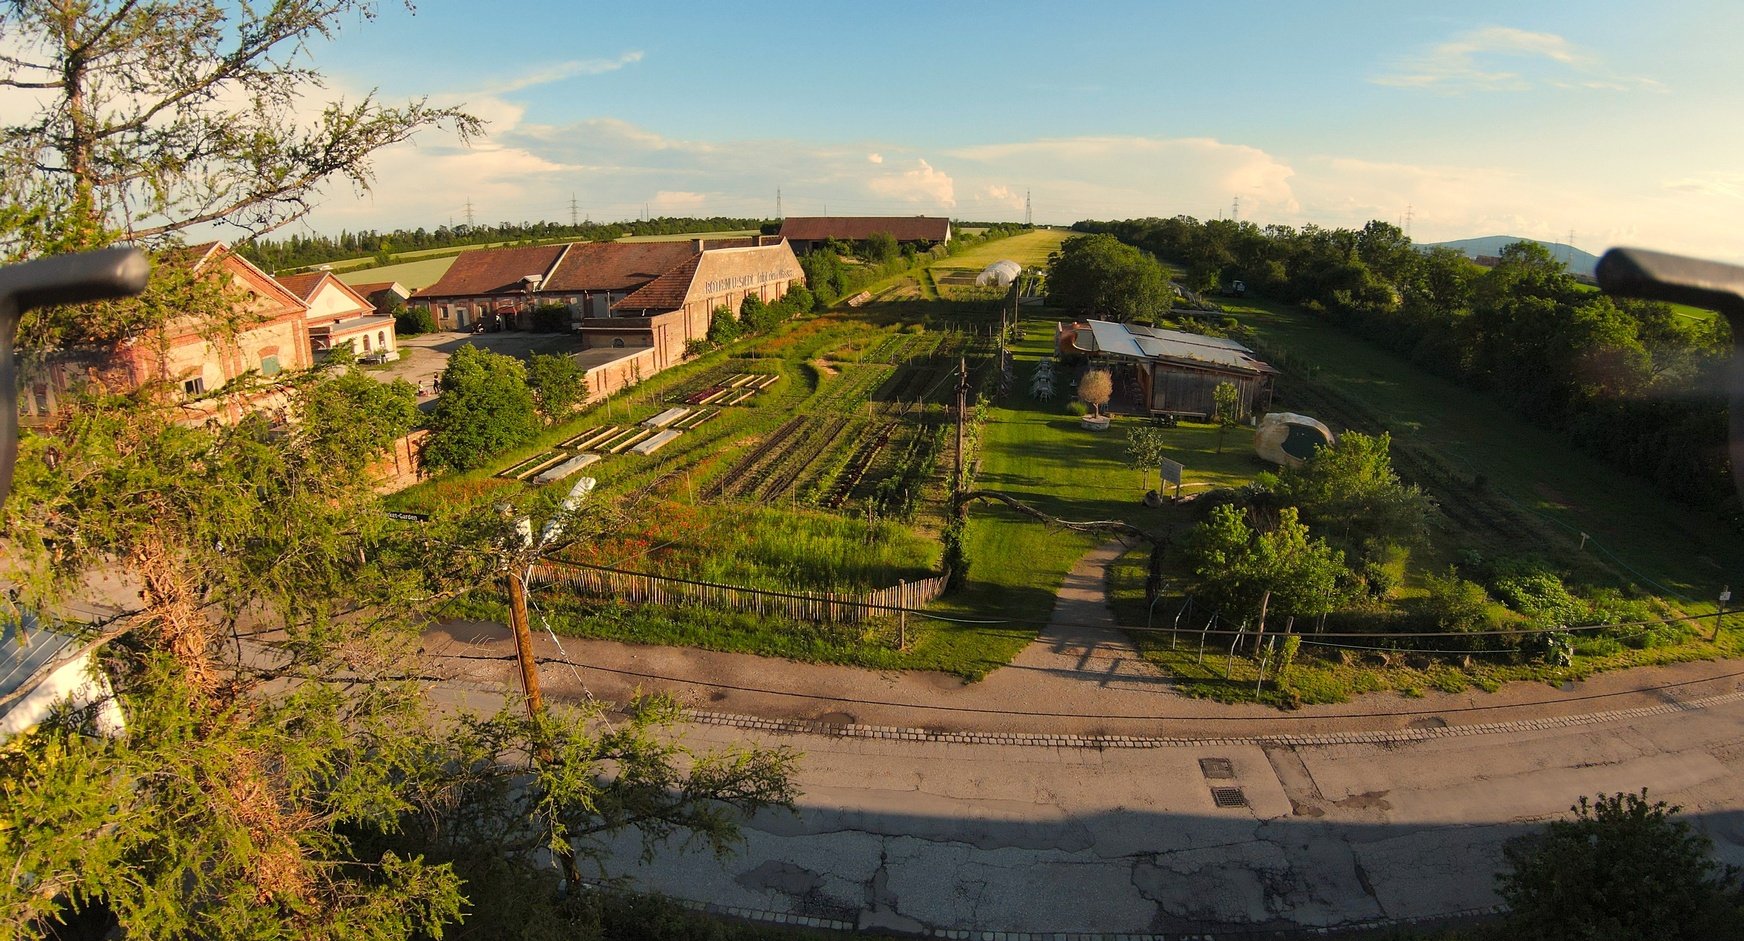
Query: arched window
[(366, 343), (617, 341), (381, 339)]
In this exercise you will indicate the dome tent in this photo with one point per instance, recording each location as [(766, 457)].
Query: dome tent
[(1289, 439), (999, 274)]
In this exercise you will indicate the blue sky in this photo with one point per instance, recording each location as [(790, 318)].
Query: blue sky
[(1618, 121)]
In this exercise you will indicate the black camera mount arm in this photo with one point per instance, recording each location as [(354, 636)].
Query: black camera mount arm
[(46, 282), (1657, 276)]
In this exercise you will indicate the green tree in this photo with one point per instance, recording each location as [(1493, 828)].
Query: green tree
[(550, 318), (1097, 276), (484, 408), (349, 417), (880, 247), (723, 328), (1622, 870), (559, 384), (1226, 398), (1146, 447), (414, 321), (1352, 491), (1235, 565)]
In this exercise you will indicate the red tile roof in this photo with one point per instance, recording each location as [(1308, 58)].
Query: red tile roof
[(375, 287), (617, 266), (302, 285), (666, 292), (492, 270), (860, 228)]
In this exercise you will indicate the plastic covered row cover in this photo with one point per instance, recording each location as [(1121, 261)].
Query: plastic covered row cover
[(999, 274), (1289, 439)]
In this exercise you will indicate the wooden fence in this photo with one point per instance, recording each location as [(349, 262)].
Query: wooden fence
[(638, 588)]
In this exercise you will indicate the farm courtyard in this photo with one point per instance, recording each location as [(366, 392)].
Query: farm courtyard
[(819, 459)]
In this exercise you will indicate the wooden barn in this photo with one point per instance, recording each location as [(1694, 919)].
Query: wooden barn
[(1170, 372)]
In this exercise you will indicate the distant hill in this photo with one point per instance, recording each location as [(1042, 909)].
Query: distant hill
[(1579, 262)]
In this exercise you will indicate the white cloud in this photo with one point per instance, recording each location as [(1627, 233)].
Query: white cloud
[(875, 158), (1500, 58), (923, 184), (614, 168), (563, 70)]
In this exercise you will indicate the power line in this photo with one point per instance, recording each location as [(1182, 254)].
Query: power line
[(469, 212)]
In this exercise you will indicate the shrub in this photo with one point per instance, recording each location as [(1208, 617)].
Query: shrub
[(1621, 869), (413, 321), (550, 318)]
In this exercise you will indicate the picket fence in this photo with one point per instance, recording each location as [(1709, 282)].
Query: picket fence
[(640, 588)]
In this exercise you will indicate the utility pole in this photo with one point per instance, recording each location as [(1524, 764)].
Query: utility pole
[(574, 217), (1235, 210), (962, 408), (524, 642), (1408, 213)]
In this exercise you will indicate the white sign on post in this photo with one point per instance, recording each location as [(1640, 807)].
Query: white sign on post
[(1172, 471)]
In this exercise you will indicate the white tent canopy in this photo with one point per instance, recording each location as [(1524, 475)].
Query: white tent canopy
[(999, 274)]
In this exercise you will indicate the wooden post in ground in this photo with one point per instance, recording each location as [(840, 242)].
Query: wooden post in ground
[(1260, 633), (524, 644), (962, 407), (902, 615)]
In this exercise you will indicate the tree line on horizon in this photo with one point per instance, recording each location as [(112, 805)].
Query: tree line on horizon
[(301, 251), (1633, 383)]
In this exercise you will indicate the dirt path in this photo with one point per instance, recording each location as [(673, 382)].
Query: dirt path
[(1082, 643)]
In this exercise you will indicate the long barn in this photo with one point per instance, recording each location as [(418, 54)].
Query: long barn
[(1174, 373)]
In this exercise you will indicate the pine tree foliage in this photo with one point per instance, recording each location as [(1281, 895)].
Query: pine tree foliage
[(267, 655)]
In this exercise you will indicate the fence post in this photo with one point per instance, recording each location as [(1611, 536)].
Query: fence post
[(902, 615)]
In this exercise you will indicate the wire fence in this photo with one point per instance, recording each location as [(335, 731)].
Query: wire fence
[(836, 607)]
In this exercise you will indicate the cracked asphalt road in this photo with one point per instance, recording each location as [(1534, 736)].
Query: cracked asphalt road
[(916, 835)]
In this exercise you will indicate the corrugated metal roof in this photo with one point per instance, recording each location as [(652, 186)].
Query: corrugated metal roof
[(20, 661), (1139, 342)]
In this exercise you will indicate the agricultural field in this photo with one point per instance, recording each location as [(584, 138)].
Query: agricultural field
[(819, 458), (412, 274)]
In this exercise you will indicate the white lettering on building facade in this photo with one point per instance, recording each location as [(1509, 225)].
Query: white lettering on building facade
[(746, 280)]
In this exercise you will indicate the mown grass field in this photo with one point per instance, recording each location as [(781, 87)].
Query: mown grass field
[(1631, 533), (1028, 248), (412, 274)]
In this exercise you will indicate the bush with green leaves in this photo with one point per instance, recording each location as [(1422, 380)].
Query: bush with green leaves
[(1623, 869), (1351, 493), (558, 382), (1235, 564), (485, 407), (550, 318), (413, 321)]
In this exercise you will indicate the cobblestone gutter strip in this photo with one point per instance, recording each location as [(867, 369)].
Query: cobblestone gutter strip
[(1376, 737)]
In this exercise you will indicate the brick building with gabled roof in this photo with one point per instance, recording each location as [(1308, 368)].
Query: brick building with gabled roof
[(272, 337), (621, 295), (340, 315), (806, 233)]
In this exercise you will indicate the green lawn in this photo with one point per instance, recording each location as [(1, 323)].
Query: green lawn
[(1555, 492), (1027, 249), (412, 274)]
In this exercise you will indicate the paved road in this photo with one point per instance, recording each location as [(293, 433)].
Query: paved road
[(928, 808)]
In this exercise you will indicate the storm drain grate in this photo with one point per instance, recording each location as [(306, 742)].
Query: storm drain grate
[(1228, 797), (1217, 769)]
